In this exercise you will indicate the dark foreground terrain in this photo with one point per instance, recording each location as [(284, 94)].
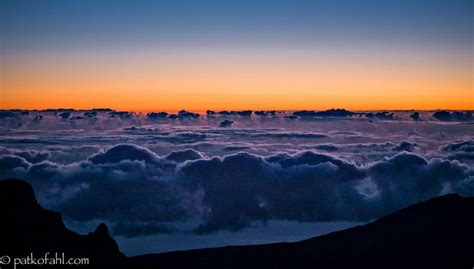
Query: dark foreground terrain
[(438, 233)]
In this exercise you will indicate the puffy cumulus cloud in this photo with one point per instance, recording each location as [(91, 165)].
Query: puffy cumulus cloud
[(332, 113), (121, 114), (183, 114), (358, 147), (65, 115), (467, 146), (230, 186), (460, 150), (122, 152), (405, 146), (134, 199), (184, 155), (408, 178), (226, 123), (32, 156), (112, 189), (453, 116), (263, 113), (415, 116), (383, 115), (10, 165), (9, 114), (344, 169), (107, 119), (157, 115), (142, 192), (242, 188), (466, 187)]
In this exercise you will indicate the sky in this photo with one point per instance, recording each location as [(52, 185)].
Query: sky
[(198, 55)]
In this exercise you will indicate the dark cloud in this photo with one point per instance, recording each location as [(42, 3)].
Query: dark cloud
[(227, 113), (118, 153), (32, 156), (405, 146), (465, 187), (8, 114), (291, 117), (121, 114), (384, 115), (245, 113), (59, 110), (184, 155), (90, 114), (226, 123), (309, 186), (326, 147), (263, 113), (159, 115), (415, 116), (64, 115), (172, 116), (9, 164), (135, 197), (461, 151), (129, 184), (408, 178), (453, 116), (139, 173), (333, 113), (240, 113), (37, 119), (466, 146), (77, 118), (372, 147), (132, 229), (183, 114), (102, 110)]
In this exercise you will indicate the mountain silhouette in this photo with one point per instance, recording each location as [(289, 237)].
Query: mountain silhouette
[(27, 228), (438, 233)]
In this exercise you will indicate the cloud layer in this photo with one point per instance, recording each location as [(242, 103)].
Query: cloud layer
[(141, 191), (228, 170)]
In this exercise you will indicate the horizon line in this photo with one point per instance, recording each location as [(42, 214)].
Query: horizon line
[(203, 111)]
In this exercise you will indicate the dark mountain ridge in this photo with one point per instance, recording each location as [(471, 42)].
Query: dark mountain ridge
[(28, 228), (438, 233)]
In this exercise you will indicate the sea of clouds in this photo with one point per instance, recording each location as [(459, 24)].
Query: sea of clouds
[(160, 173)]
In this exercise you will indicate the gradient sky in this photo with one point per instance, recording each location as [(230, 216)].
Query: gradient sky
[(197, 55)]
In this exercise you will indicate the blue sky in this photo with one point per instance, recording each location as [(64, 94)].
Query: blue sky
[(49, 24), (148, 55)]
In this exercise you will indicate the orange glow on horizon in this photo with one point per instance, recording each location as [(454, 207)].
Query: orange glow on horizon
[(256, 80)]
